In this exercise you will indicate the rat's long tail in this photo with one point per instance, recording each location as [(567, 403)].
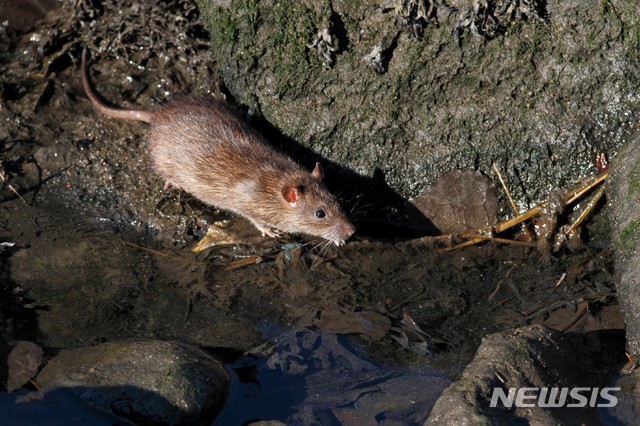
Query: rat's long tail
[(125, 114)]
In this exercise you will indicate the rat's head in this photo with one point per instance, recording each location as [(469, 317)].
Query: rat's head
[(313, 210)]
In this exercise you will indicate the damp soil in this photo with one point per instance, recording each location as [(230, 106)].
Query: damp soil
[(85, 282), (102, 252)]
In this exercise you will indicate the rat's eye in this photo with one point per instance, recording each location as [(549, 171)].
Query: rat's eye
[(320, 214)]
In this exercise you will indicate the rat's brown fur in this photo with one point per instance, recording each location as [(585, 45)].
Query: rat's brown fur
[(200, 146)]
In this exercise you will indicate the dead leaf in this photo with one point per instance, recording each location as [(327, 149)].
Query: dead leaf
[(459, 201), (23, 363), (367, 323)]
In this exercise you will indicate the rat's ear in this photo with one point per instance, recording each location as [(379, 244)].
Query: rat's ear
[(291, 194), (318, 172)]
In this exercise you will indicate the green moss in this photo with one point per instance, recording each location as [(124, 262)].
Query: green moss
[(608, 9), (222, 26), (252, 15), (605, 7), (634, 180), (295, 26), (634, 39), (351, 25), (522, 350), (629, 237), (288, 27)]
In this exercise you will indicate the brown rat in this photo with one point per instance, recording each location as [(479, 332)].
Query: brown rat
[(200, 146)]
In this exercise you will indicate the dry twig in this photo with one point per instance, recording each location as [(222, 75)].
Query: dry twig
[(568, 198)]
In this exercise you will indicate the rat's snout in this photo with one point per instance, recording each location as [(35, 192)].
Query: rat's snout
[(348, 230), (345, 230)]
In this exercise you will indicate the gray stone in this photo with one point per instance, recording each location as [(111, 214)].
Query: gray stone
[(538, 91), (150, 382), (623, 191), (528, 357)]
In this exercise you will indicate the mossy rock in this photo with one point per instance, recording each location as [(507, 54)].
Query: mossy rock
[(538, 91), (624, 201)]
